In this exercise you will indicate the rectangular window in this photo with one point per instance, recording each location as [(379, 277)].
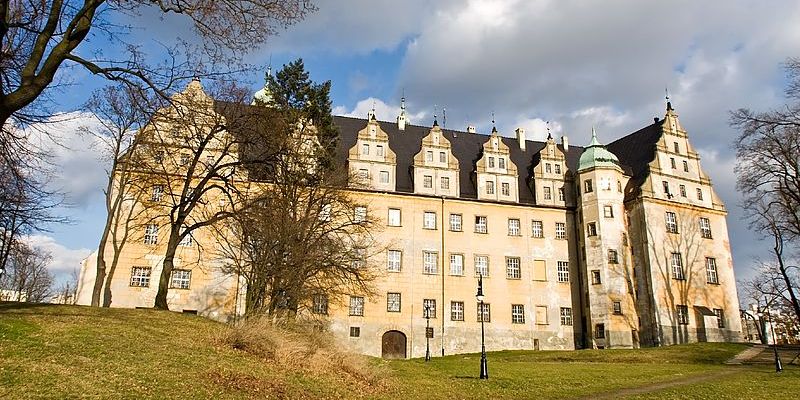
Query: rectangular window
[(505, 189), (558, 168), (484, 312), (363, 173), (599, 331), (429, 220), (563, 271), (720, 318), (489, 187), (357, 306), (612, 256), (566, 316), (539, 270), (587, 186), (617, 307), (359, 258), (393, 302), (705, 228), (501, 162), (685, 166), (547, 168), (427, 181), (513, 227), (672, 222), (480, 224), (319, 304), (682, 190), (355, 331), (683, 314), (430, 262), (517, 314), (455, 222), (394, 217), (596, 278), (672, 162), (561, 230), (393, 260), (666, 186), (365, 149), (158, 192), (608, 211), (442, 157), (548, 195), (699, 194), (180, 279), (384, 175), (457, 264), (359, 214), (429, 156), (151, 234), (560, 194), (677, 149), (429, 308), (491, 162), (591, 229), (379, 151), (482, 266), (711, 270), (140, 276), (445, 184), (456, 310), (677, 266), (537, 229), (513, 268), (541, 315), (619, 186), (186, 241)]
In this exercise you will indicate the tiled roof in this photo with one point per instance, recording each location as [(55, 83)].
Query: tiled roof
[(636, 151)]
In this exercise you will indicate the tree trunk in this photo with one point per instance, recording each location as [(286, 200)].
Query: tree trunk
[(166, 271), (107, 291), (100, 276)]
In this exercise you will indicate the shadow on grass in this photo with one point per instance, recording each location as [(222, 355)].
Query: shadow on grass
[(464, 377), (18, 305)]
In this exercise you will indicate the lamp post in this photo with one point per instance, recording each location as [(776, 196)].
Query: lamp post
[(427, 336), (479, 297), (778, 366)]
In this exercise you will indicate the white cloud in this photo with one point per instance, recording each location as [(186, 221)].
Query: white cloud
[(64, 261), (383, 111)]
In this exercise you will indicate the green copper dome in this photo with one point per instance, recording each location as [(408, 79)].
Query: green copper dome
[(596, 155)]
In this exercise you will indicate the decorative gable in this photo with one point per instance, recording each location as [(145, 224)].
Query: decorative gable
[(435, 169), (550, 175), (371, 161), (496, 175)]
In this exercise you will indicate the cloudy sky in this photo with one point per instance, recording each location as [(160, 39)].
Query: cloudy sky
[(577, 64)]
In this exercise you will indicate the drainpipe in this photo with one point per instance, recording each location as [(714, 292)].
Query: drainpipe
[(443, 267)]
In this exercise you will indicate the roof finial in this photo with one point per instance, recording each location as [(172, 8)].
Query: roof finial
[(435, 120), (549, 136), (444, 117), (594, 141), (403, 100), (669, 104), (372, 112), (494, 127)]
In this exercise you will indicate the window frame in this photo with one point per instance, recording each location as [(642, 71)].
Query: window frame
[(562, 233), (537, 233), (712, 273), (676, 268), (682, 314), (140, 279), (481, 224), (428, 267), (389, 218), (184, 283), (456, 314), (390, 262), (512, 271), (460, 219), (454, 256), (431, 313), (514, 231), (477, 271), (562, 271), (518, 314), (705, 228), (565, 316), (356, 306), (394, 306), (427, 223), (484, 312), (671, 225)]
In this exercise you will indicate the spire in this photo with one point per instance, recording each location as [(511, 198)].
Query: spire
[(401, 119), (264, 96), (594, 141), (494, 127)]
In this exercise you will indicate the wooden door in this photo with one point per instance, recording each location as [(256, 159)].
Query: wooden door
[(393, 345)]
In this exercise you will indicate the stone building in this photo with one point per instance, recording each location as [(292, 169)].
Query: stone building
[(606, 246)]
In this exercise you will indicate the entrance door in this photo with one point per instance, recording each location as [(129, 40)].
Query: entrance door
[(393, 345)]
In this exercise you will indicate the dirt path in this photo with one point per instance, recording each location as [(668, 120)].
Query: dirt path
[(665, 385)]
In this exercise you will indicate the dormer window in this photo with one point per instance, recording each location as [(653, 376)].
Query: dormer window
[(501, 162), (548, 168), (379, 151), (506, 189), (384, 176), (365, 149), (558, 169), (429, 156), (677, 148), (442, 157), (427, 181), (489, 187), (491, 162)]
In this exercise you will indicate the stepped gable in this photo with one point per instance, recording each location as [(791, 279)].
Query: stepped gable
[(466, 147)]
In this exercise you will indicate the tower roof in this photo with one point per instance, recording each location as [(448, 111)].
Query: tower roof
[(596, 155)]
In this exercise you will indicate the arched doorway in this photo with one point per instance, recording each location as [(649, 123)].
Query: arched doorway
[(393, 345)]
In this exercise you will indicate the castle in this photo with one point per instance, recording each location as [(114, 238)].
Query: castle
[(605, 246)]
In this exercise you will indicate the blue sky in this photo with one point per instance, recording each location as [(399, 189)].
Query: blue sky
[(577, 64)]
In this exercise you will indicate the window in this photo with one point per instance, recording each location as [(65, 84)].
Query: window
[(563, 271), (617, 307), (513, 227), (505, 189), (685, 166), (456, 310), (393, 302), (427, 181), (445, 184), (365, 149), (666, 186), (600, 331), (720, 317), (711, 270), (672, 222), (566, 316), (356, 306), (547, 168), (591, 229), (587, 186), (151, 234), (489, 187), (705, 228), (480, 224), (482, 266), (430, 262), (393, 218), (180, 279), (558, 168), (512, 268), (393, 260), (561, 230), (429, 156), (560, 194), (158, 192), (325, 212), (682, 190), (429, 308), (677, 266), (186, 241), (319, 304), (484, 312), (491, 162), (429, 220), (683, 314), (384, 176), (517, 314), (537, 229), (455, 222), (359, 258), (699, 194), (359, 214), (677, 149), (596, 279), (501, 162), (608, 211), (363, 173), (140, 276), (379, 151), (355, 331), (539, 270), (619, 186), (442, 157), (541, 315), (548, 195), (457, 264), (672, 162), (612, 256)]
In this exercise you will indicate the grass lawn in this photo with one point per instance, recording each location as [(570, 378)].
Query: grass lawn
[(74, 352)]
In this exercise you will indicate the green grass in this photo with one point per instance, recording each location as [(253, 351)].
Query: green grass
[(76, 352)]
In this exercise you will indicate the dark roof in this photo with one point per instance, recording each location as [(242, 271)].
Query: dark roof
[(636, 151)]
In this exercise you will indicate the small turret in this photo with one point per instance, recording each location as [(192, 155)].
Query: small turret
[(401, 119)]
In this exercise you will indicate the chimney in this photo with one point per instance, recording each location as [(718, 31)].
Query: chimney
[(470, 128), (521, 138), (564, 142)]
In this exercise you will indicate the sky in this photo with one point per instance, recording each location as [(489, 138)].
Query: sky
[(576, 64)]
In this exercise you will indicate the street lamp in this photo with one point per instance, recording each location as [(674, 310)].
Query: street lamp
[(778, 366), (479, 297), (427, 335)]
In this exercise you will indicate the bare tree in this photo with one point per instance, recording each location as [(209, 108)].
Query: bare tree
[(27, 277)]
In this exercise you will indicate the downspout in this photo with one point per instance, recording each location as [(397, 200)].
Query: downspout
[(443, 267)]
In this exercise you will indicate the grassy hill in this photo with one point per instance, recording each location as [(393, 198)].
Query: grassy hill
[(49, 351)]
